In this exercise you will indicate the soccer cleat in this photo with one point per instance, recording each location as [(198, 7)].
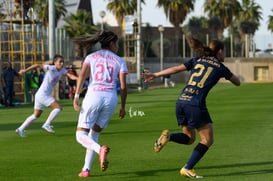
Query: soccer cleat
[(162, 140), (190, 173), (48, 128), (84, 173), (21, 133), (104, 150)]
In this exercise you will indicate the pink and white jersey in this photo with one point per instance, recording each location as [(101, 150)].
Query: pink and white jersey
[(105, 67), (52, 77)]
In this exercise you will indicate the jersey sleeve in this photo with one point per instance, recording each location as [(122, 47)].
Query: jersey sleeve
[(45, 67), (190, 63), (123, 68), (227, 74), (48, 67), (87, 60)]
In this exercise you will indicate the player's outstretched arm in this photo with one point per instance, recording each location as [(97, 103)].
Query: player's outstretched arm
[(71, 76), (172, 70), (235, 80), (35, 66)]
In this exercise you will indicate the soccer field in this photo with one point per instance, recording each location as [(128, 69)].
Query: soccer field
[(242, 150)]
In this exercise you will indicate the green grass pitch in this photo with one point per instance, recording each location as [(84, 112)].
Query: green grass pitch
[(242, 150)]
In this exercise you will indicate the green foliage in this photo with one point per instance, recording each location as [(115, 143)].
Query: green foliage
[(248, 27), (226, 10), (270, 22), (176, 10), (79, 24), (249, 17), (121, 8), (242, 149), (41, 7), (198, 27)]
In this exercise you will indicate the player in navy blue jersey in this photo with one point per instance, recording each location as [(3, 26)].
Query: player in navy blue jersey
[(191, 111)]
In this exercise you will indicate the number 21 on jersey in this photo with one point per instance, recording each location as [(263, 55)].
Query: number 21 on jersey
[(202, 74)]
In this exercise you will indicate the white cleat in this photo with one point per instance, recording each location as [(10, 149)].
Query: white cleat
[(21, 133), (48, 128)]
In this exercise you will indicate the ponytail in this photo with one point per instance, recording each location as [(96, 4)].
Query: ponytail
[(105, 38), (211, 50)]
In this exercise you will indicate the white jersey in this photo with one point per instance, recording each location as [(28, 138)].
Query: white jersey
[(52, 77), (105, 67), (100, 101)]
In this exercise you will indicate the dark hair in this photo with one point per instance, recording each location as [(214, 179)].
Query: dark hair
[(215, 46), (211, 50), (56, 57), (105, 37)]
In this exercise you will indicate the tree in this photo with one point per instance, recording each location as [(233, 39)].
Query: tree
[(250, 16), (249, 21), (233, 31), (79, 28), (196, 27), (121, 8), (225, 10), (86, 5), (79, 24), (214, 27), (270, 23), (176, 11), (41, 8)]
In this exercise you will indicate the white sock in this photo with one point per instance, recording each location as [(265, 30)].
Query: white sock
[(90, 154), (27, 122), (53, 114), (87, 142)]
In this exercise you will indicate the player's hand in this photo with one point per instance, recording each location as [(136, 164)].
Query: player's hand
[(76, 104), (122, 113), (148, 76), (21, 72)]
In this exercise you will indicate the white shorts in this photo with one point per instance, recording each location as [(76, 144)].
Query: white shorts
[(97, 108), (42, 101)]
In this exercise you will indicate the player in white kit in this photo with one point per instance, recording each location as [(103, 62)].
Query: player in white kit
[(104, 68), (43, 96)]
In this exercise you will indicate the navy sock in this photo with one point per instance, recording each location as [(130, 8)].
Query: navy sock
[(198, 152), (180, 138)]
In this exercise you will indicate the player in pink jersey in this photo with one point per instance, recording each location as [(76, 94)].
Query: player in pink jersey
[(43, 96), (105, 69)]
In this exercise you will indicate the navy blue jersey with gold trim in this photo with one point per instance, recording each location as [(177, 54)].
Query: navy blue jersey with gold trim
[(205, 72)]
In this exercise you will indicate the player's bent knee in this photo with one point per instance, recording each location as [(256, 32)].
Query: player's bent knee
[(191, 141), (208, 143), (80, 135)]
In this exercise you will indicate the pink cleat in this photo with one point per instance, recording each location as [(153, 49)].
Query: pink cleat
[(84, 173), (104, 150)]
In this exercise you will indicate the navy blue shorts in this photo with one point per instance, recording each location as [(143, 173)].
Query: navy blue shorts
[(192, 116)]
